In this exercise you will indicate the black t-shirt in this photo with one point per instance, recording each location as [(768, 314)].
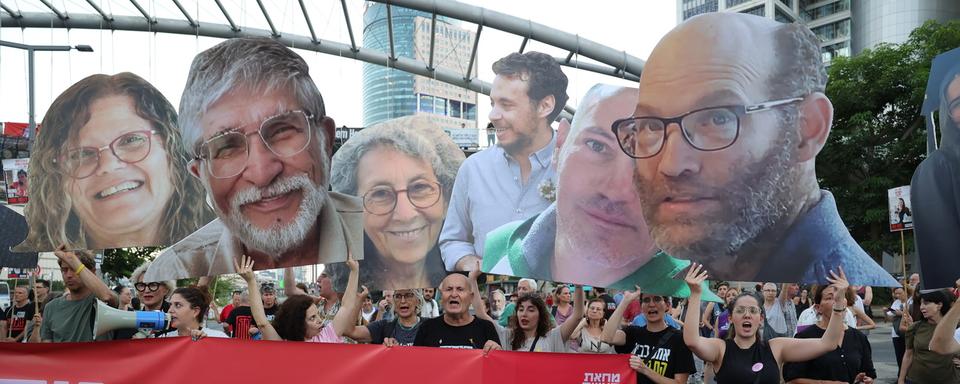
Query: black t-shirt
[(240, 320), (611, 305), (664, 352), (17, 318), (437, 333), (271, 312), (841, 364)]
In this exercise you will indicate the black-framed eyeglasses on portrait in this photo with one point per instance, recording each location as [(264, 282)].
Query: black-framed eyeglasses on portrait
[(705, 129)]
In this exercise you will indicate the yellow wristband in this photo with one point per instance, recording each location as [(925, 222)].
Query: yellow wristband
[(77, 272)]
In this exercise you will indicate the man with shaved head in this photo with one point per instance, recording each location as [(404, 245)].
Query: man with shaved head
[(730, 119), (457, 328), (594, 234)]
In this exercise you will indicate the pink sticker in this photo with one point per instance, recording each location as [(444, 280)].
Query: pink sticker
[(757, 367)]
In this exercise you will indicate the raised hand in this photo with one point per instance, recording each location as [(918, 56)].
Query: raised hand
[(475, 272), (364, 292), (631, 296), (351, 263), (839, 281), (245, 269), (696, 275)]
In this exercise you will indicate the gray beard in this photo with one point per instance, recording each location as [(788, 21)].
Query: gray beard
[(761, 195), (277, 238)]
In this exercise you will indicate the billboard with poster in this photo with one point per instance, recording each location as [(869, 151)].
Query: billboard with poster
[(898, 203), (15, 178)]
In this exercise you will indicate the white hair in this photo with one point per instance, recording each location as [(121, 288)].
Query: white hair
[(532, 282)]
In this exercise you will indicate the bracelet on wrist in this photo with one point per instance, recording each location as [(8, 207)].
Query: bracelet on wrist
[(835, 309), (80, 269)]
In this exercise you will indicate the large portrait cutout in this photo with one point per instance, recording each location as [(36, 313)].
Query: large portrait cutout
[(260, 139), (594, 234), (935, 187), (108, 170), (404, 170), (730, 119)]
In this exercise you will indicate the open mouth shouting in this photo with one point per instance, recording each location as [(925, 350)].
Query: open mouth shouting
[(746, 326)]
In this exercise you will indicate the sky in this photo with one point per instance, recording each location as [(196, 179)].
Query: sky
[(164, 59)]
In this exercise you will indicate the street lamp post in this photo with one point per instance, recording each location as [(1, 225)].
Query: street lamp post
[(32, 125)]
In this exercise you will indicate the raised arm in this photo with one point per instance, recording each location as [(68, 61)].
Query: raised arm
[(479, 309), (245, 270), (88, 277), (611, 329), (707, 349), (344, 320), (570, 323), (360, 333), (943, 341), (790, 350), (868, 323)]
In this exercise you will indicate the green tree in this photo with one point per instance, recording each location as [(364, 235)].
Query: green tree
[(878, 137), (120, 262)]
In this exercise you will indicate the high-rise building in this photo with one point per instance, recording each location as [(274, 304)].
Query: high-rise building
[(844, 27), (390, 93)]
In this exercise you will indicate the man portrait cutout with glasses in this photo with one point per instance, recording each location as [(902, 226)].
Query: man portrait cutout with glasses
[(260, 140), (730, 119)]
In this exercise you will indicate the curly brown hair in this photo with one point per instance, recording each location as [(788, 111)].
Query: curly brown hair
[(50, 214), (290, 321)]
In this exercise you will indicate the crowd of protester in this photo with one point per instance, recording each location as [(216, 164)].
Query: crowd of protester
[(767, 333)]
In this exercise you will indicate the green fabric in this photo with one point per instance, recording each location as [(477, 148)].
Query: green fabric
[(656, 276), (507, 240), (508, 311)]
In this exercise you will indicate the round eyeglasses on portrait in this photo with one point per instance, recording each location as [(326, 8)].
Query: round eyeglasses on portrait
[(382, 200), (705, 129), (82, 162), (227, 152)]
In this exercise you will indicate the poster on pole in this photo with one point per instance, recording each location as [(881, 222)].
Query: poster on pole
[(898, 203), (15, 177)]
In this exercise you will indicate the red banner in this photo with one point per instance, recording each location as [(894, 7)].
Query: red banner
[(180, 360)]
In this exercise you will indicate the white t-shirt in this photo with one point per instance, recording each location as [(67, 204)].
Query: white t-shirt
[(551, 342), (208, 331), (956, 335), (896, 306), (809, 317)]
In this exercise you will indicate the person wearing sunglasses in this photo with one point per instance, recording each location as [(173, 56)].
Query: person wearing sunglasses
[(153, 297), (656, 348), (108, 170), (256, 128), (404, 170), (727, 128)]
